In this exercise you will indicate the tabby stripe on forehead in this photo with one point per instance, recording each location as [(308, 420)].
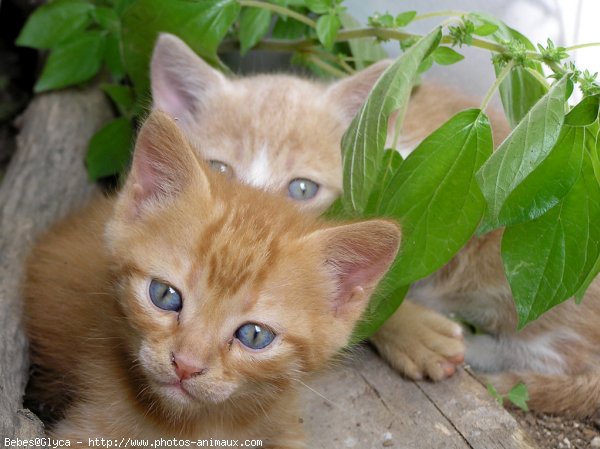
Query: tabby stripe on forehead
[(229, 270), (269, 263), (208, 236)]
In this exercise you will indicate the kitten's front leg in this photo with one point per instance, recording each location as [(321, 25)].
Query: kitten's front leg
[(419, 342)]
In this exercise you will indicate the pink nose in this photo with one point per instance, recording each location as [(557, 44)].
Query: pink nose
[(185, 368)]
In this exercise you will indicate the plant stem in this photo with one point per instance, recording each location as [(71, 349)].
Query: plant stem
[(378, 33), (347, 67), (285, 45), (449, 21), (577, 47), (326, 67), (555, 67), (538, 76), (279, 10), (480, 43), (442, 13), (488, 96), (331, 58)]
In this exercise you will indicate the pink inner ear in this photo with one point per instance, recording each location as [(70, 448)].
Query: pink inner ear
[(146, 176), (359, 255), (155, 175), (180, 78), (168, 98), (363, 273)]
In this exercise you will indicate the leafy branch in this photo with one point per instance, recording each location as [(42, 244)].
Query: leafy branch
[(542, 184)]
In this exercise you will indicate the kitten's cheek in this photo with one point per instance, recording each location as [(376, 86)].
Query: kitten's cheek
[(146, 360), (144, 355)]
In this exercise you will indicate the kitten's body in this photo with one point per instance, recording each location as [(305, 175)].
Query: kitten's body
[(557, 355), (121, 366)]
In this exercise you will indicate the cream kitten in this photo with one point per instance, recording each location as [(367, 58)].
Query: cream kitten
[(282, 133), (191, 306)]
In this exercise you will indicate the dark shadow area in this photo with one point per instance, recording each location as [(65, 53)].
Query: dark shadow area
[(18, 68)]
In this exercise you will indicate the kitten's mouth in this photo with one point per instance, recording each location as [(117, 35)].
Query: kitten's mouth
[(177, 388)]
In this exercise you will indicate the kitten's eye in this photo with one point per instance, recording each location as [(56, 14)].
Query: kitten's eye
[(164, 296), (222, 168), (254, 336), (302, 189)]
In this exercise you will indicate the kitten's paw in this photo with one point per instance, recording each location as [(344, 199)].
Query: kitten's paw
[(421, 343)]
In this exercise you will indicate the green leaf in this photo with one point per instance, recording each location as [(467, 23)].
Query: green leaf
[(122, 97), (486, 29), (522, 152), (289, 29), (381, 306), (202, 24), (327, 29), (405, 18), (363, 143), (365, 50), (592, 145), (390, 164), (387, 20), (425, 64), (121, 5), (547, 260), (446, 56), (112, 57), (110, 149), (549, 182), (73, 62), (494, 393), (519, 92), (435, 195), (585, 113), (254, 25), (319, 6), (55, 22), (580, 293), (108, 19), (519, 395)]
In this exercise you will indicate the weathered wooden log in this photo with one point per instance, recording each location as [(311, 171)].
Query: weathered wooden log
[(44, 181), (365, 404)]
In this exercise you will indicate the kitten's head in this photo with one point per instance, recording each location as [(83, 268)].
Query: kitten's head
[(276, 132), (228, 291)]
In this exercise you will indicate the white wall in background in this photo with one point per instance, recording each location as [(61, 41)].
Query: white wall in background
[(566, 22)]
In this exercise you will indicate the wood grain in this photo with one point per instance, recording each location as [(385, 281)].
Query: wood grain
[(365, 404)]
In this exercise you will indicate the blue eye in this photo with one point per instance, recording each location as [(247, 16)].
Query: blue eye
[(164, 296), (302, 189), (254, 336)]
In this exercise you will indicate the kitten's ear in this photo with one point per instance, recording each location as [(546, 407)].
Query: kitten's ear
[(350, 93), (180, 78), (163, 165), (357, 255)]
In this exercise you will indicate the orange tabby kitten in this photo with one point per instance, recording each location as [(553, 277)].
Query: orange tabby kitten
[(282, 133), (190, 306)]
